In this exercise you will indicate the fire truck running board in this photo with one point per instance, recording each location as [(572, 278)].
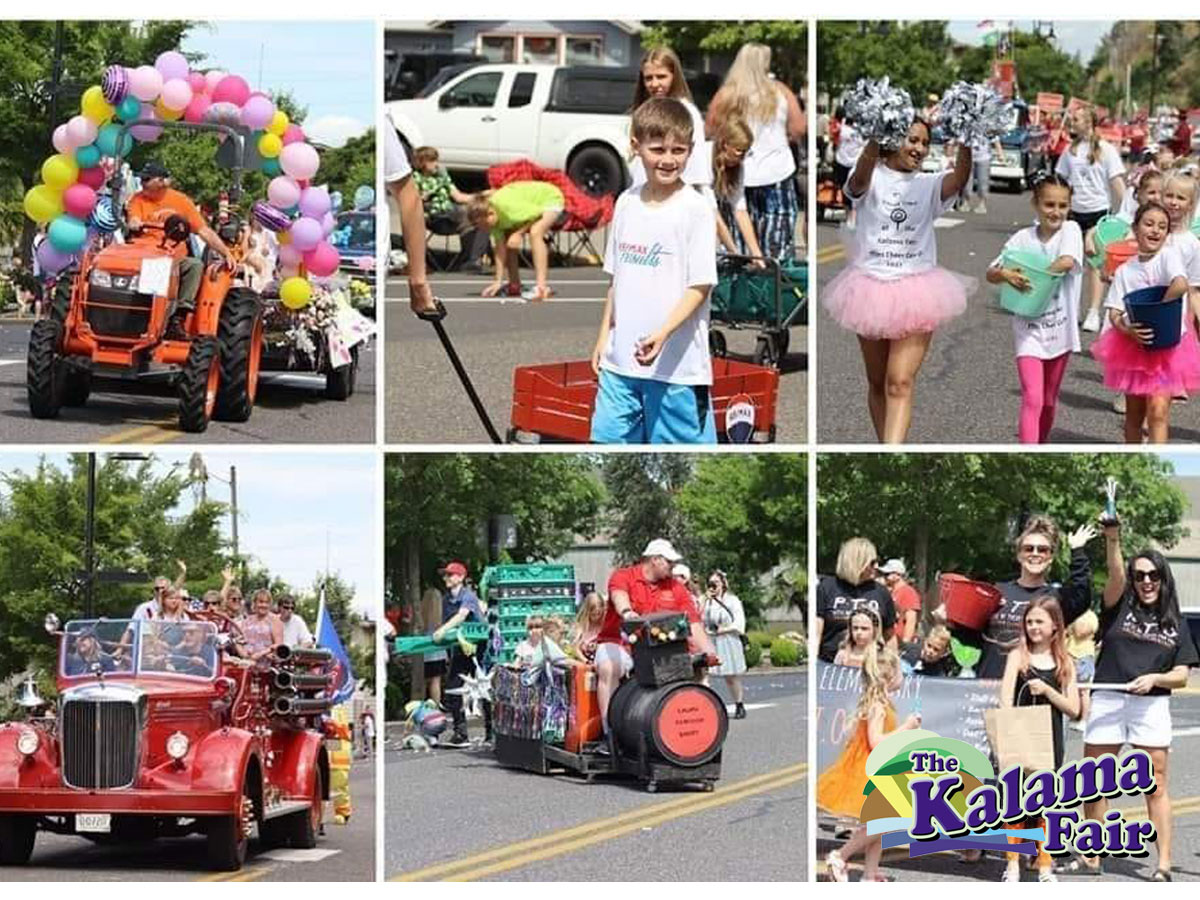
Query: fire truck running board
[(285, 808)]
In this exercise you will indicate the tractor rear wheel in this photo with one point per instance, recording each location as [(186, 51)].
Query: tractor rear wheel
[(306, 825), (44, 369), (17, 834), (339, 383), (198, 384), (240, 333)]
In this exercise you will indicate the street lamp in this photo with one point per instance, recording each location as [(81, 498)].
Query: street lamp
[(89, 527)]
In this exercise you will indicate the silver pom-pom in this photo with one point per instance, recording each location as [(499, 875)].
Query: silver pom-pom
[(880, 112), (973, 113)]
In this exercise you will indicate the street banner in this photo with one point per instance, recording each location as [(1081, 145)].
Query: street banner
[(341, 688), (952, 707), (1049, 102)]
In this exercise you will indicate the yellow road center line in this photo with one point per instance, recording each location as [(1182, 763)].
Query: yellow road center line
[(133, 435), (831, 252), (244, 874), (514, 856)]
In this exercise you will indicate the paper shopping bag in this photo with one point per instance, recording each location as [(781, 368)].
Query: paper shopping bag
[(1021, 736)]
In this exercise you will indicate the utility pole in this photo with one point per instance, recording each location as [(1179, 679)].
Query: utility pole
[(1154, 73), (233, 510), (56, 73), (89, 547)]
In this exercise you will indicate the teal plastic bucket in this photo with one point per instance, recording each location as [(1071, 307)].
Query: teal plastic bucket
[(1146, 307), (1109, 230), (1042, 284)]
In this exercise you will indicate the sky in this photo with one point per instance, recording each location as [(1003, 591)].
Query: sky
[(288, 503), (1186, 464), (1072, 37), (329, 67)]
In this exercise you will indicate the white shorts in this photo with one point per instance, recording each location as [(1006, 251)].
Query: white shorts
[(1120, 718), (615, 653)]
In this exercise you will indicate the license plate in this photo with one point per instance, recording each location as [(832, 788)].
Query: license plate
[(97, 823)]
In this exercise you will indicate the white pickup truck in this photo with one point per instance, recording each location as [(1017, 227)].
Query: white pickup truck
[(573, 118)]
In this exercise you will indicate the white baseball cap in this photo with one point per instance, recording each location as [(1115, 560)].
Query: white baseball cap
[(894, 567), (662, 547)]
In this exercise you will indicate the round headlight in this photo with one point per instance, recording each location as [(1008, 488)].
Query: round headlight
[(177, 745), (28, 742)]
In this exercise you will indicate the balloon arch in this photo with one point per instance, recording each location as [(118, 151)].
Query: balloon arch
[(70, 202)]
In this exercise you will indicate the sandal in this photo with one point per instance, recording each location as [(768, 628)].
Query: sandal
[(1047, 876), (837, 866), (537, 294), (1078, 867), (1161, 875)]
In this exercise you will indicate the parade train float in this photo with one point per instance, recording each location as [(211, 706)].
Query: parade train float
[(666, 727), (112, 300), (157, 732)]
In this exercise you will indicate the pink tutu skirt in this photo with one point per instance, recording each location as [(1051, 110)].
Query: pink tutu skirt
[(1131, 370), (877, 309)]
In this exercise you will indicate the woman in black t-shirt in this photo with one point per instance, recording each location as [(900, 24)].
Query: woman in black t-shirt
[(853, 588), (1145, 653)]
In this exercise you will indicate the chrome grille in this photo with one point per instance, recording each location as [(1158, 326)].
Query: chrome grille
[(99, 743)]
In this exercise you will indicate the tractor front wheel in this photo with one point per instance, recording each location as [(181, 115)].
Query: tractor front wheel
[(198, 384), (240, 333), (44, 369), (17, 834), (77, 385)]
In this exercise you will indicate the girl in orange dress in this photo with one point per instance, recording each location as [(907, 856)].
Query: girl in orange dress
[(840, 787)]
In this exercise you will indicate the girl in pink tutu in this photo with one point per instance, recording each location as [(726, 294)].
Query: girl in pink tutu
[(893, 294), (1148, 378), (1045, 343)]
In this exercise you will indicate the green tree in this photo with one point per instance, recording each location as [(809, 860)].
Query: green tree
[(339, 599), (643, 491), (914, 55), (1040, 66), (788, 41)]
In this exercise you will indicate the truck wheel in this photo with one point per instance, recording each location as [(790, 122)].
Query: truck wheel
[(17, 834), (77, 385), (198, 383), (228, 837), (240, 335), (43, 373), (339, 383), (597, 170), (306, 825)]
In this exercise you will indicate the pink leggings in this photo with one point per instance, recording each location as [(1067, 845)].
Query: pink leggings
[(1040, 381)]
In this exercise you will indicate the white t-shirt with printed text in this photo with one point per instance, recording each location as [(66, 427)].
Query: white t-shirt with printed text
[(894, 237), (655, 253), (1161, 269), (1056, 331), (1090, 181)]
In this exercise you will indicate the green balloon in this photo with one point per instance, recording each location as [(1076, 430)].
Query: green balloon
[(88, 156), (67, 234), (129, 109), (271, 167), (107, 139)]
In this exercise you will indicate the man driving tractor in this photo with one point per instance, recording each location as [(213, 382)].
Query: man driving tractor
[(153, 205)]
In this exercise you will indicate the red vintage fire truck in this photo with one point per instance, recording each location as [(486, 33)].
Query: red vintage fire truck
[(157, 731)]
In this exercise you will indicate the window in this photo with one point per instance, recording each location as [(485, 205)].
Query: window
[(584, 51), (541, 49), (501, 48), (522, 89), (475, 90)]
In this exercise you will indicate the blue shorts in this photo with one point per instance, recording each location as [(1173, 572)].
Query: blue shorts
[(646, 411)]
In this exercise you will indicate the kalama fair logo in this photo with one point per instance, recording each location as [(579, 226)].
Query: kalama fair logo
[(933, 793)]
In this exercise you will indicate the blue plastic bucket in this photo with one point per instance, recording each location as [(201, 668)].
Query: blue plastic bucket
[(1042, 283), (1147, 307)]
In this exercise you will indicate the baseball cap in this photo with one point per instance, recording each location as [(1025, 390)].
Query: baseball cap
[(455, 568), (662, 547), (679, 570), (894, 567), (154, 169)]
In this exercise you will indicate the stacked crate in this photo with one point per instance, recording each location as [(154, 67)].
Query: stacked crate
[(516, 592)]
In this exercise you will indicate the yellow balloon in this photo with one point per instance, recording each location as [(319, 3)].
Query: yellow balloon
[(164, 113), (279, 123), (269, 145), (94, 106), (284, 237), (60, 171), (43, 203), (295, 292)]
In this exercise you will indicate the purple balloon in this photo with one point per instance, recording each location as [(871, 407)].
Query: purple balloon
[(314, 202), (115, 84), (171, 65), (146, 132), (306, 233), (269, 217), (51, 259), (328, 223), (258, 111)]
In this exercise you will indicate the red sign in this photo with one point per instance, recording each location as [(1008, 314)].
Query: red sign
[(1049, 102), (1074, 103)]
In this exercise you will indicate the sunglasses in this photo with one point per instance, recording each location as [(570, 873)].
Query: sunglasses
[(1153, 576), (1043, 549)]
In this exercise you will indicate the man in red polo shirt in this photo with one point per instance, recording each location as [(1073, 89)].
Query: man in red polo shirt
[(643, 588)]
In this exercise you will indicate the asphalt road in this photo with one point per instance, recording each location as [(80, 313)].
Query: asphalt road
[(456, 815), (424, 401), (1184, 779), (345, 853), (290, 408), (967, 390)]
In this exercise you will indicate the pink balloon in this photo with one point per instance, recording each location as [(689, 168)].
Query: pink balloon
[(328, 223), (283, 192), (299, 160), (146, 132), (93, 177), (293, 134), (171, 64), (197, 83), (79, 200), (62, 140), (306, 234), (322, 260), (231, 89), (212, 78), (257, 111), (314, 202), (197, 109), (176, 94), (81, 130), (145, 83), (288, 255)]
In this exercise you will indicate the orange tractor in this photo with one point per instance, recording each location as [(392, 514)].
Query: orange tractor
[(109, 316)]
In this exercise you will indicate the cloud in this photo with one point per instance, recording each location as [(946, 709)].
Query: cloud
[(333, 131)]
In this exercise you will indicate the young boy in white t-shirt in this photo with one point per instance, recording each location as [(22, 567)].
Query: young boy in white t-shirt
[(651, 355)]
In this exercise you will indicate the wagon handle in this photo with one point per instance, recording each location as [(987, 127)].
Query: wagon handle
[(434, 315)]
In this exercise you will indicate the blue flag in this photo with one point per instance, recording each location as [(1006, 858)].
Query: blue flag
[(341, 688)]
